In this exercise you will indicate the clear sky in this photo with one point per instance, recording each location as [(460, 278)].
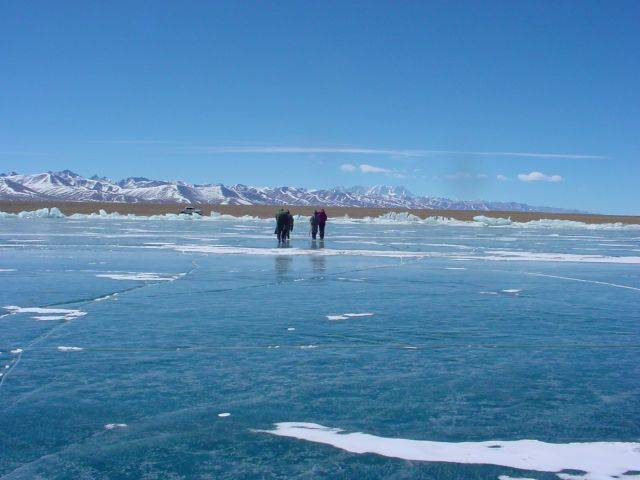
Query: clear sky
[(530, 101)]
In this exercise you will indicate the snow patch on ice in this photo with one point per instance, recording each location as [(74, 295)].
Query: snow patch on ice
[(142, 276), (492, 255), (346, 316), (111, 426), (600, 460), (48, 313)]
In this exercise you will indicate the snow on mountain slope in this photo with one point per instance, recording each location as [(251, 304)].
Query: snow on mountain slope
[(69, 186)]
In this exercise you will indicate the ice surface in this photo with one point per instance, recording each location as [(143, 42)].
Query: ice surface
[(451, 356), (601, 460)]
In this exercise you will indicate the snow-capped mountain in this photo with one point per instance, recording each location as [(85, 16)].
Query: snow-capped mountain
[(69, 186)]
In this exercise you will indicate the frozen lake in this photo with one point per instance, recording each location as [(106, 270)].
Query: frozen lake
[(163, 348)]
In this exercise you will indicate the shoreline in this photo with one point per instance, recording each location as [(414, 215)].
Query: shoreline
[(268, 211)]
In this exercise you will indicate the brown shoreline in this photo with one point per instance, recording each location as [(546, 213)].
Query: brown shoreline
[(267, 211)]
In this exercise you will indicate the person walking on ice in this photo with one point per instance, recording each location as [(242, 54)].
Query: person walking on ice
[(322, 221), (282, 225), (313, 221)]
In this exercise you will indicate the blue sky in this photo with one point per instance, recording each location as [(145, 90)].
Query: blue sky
[(443, 97)]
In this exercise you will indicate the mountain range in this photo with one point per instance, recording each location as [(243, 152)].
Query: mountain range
[(69, 186)]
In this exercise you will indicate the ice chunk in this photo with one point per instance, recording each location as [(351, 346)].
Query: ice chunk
[(492, 221)]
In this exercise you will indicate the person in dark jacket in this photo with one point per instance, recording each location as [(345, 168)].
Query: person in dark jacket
[(282, 222), (313, 220), (322, 220), (289, 225)]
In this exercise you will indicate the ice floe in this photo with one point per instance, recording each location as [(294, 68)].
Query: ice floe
[(47, 313), (600, 460)]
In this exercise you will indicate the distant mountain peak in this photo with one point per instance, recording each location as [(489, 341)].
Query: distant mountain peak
[(69, 186), (65, 173)]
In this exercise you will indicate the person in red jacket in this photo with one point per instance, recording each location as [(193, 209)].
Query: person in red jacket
[(322, 220)]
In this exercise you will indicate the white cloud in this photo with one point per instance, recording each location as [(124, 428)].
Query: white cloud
[(539, 177), (364, 168), (502, 178), (347, 167)]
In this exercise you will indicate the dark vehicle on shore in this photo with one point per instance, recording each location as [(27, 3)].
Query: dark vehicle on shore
[(191, 211)]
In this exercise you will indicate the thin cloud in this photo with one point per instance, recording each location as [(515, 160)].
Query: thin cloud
[(347, 167), (539, 177), (379, 151), (137, 142), (465, 176), (365, 168), (24, 154), (501, 177)]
